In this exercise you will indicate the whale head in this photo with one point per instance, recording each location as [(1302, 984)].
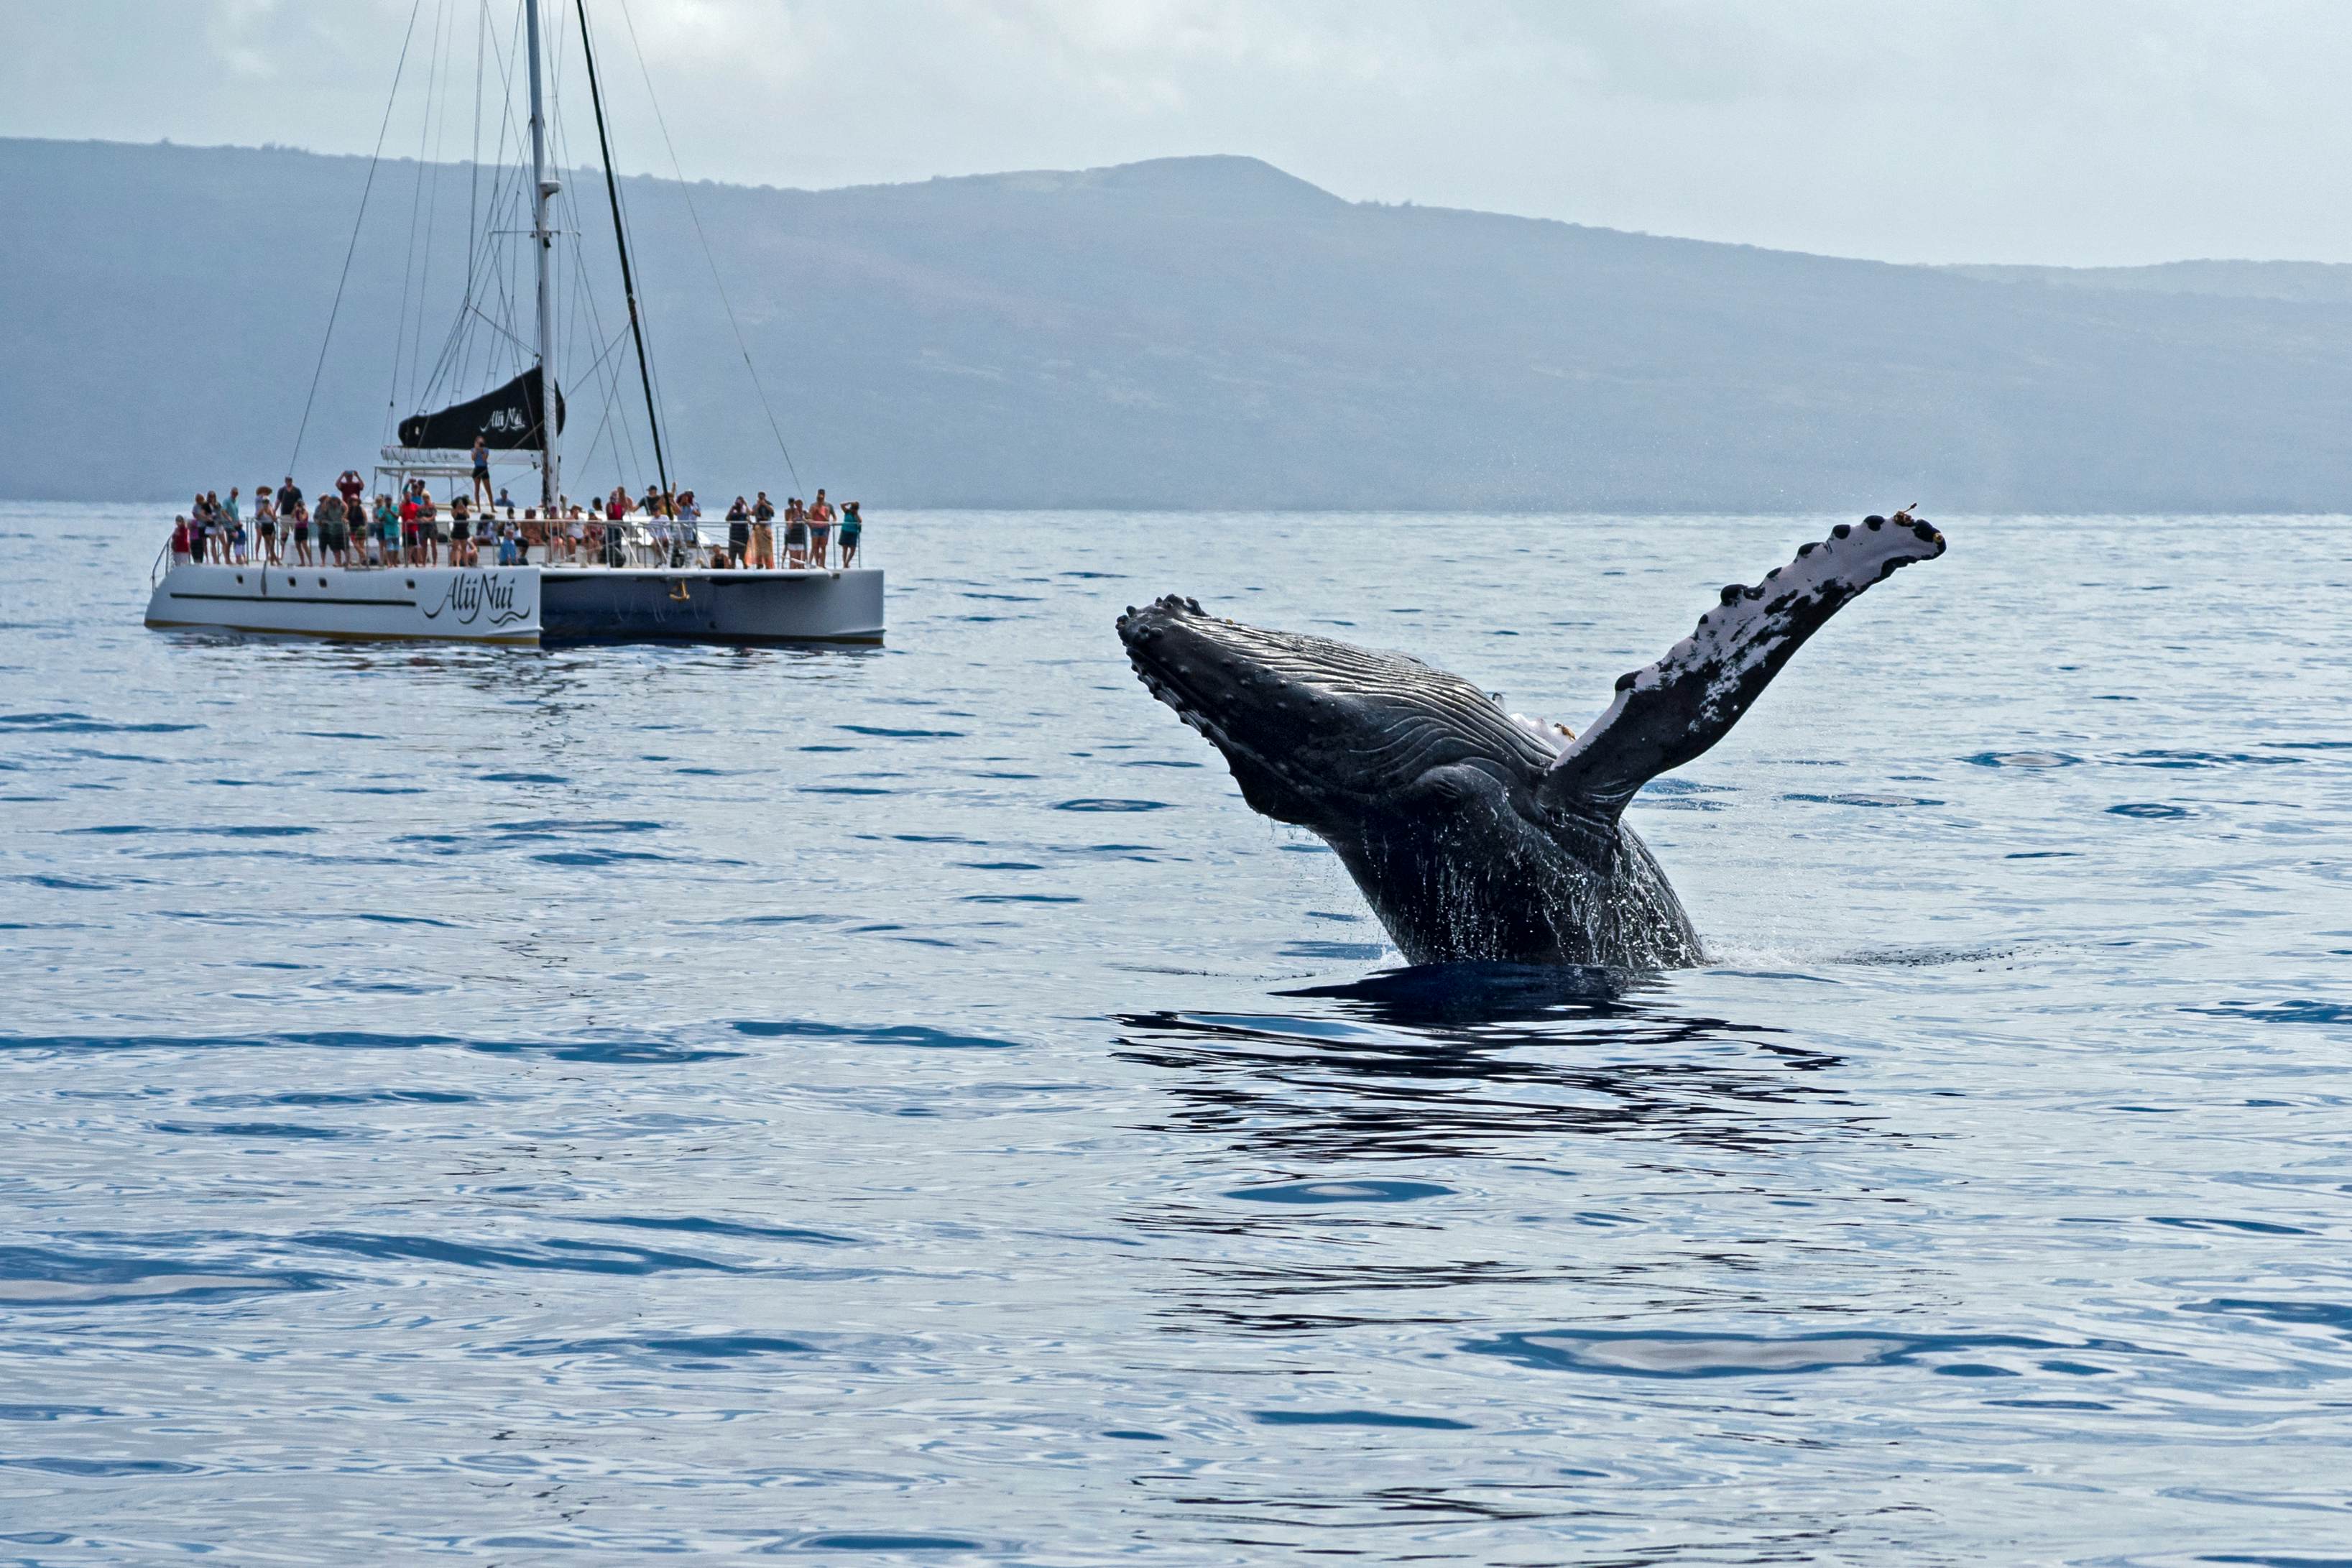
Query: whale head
[(1319, 733)]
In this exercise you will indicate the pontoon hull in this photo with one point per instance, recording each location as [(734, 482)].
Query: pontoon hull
[(524, 604), (628, 605)]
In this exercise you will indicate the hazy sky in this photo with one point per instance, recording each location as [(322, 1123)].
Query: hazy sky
[(2064, 130)]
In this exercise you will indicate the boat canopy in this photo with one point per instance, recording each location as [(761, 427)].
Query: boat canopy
[(507, 417)]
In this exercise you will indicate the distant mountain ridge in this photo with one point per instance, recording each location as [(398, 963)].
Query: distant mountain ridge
[(1186, 332)]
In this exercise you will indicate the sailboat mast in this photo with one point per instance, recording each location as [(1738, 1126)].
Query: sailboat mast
[(542, 188)]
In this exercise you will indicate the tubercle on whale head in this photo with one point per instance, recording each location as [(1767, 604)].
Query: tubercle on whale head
[(1318, 732), (1192, 661)]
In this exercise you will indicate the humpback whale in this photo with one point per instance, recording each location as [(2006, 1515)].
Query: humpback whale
[(1474, 834)]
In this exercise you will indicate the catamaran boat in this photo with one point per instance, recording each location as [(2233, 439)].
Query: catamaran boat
[(528, 604), (649, 583)]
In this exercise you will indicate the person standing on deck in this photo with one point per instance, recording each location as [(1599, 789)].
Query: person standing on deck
[(739, 529), (763, 533), (408, 515), (235, 527), (796, 532), (332, 529), (292, 512), (852, 527), (481, 469), (820, 521), (265, 523), (664, 531)]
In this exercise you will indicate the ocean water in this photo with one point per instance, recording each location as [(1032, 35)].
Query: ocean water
[(899, 1105)]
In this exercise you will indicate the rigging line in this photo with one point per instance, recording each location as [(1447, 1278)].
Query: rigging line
[(433, 383), (612, 399), (352, 249), (506, 194), (497, 327), (474, 176), (626, 435), (506, 186), (488, 257), (453, 344), (621, 239), (408, 273), (484, 240), (625, 456), (603, 354), (433, 198), (582, 297), (576, 297), (652, 366), (642, 326), (485, 202), (653, 98)]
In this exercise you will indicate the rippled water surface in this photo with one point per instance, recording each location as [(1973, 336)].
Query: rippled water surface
[(900, 1104)]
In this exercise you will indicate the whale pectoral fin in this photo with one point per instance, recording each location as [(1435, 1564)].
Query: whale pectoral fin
[(1670, 712)]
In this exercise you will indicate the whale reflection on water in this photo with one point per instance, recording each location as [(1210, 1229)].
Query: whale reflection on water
[(1453, 1060), (1338, 1146)]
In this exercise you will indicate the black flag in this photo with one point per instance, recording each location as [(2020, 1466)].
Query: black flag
[(508, 418)]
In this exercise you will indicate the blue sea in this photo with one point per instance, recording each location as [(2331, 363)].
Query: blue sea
[(899, 1105)]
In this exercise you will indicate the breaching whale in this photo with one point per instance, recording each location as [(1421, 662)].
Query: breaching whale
[(1474, 834)]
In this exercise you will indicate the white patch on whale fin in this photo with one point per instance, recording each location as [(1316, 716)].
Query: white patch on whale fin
[(1556, 736), (1670, 711)]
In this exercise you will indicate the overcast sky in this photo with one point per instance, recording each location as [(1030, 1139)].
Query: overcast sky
[(2079, 131)]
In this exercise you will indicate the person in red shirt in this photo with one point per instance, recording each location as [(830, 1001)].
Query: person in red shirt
[(409, 514)]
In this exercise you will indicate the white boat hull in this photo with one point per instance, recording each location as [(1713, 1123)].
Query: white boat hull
[(524, 604)]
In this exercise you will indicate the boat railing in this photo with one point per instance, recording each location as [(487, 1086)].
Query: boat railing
[(643, 549)]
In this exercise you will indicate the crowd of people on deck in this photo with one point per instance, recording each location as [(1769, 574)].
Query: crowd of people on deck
[(344, 527)]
